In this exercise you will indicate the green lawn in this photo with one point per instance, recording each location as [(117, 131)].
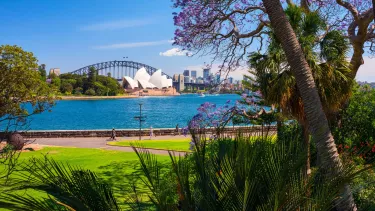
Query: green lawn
[(115, 167), (170, 144)]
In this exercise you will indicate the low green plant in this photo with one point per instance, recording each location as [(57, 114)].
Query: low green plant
[(90, 92)]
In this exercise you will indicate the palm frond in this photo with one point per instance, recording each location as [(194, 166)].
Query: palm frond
[(68, 187)]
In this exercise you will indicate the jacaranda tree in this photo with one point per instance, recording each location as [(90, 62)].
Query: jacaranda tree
[(218, 28)]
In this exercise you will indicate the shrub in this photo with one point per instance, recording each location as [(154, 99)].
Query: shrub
[(355, 128), (78, 91), (90, 92), (66, 88)]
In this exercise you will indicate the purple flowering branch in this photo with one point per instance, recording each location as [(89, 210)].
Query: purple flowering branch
[(219, 27), (228, 30)]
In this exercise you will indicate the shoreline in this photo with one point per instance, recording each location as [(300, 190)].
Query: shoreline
[(109, 97), (132, 132), (96, 97)]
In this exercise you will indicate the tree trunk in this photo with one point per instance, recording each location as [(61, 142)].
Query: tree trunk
[(316, 119), (306, 139)]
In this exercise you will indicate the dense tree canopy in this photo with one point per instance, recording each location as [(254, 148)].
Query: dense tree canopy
[(91, 84), (22, 92)]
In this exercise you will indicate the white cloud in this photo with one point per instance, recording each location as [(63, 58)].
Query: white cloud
[(367, 71), (175, 52), (115, 25), (132, 45)]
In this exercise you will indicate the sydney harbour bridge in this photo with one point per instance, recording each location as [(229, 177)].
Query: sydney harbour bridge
[(117, 69)]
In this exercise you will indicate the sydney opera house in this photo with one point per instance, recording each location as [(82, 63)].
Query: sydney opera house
[(155, 84)]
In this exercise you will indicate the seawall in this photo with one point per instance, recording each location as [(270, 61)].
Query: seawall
[(131, 132)]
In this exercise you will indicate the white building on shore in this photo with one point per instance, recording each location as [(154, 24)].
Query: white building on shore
[(142, 80)]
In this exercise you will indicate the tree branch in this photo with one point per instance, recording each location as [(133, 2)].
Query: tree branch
[(349, 7)]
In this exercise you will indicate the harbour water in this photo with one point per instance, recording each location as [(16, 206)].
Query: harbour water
[(160, 112)]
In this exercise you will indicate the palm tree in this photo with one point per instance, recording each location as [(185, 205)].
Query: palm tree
[(313, 109), (274, 78)]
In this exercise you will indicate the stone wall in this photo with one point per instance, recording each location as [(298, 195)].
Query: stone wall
[(129, 132), (171, 91)]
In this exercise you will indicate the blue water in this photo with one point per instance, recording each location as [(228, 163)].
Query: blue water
[(160, 112)]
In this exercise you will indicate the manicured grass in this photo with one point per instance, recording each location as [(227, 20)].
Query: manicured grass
[(169, 144), (115, 167)]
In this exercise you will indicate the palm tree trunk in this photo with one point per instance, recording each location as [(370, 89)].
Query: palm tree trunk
[(316, 119)]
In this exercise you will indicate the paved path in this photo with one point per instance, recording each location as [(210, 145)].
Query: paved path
[(97, 142)]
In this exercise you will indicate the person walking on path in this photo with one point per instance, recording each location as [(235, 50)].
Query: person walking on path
[(113, 134), (151, 133), (177, 131)]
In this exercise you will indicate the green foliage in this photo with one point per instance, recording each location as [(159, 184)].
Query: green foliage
[(92, 76), (78, 91), (354, 126), (102, 85), (68, 188), (356, 122), (42, 72), (55, 82), (272, 75), (256, 173), (99, 88), (21, 85), (90, 92), (365, 197), (66, 87)]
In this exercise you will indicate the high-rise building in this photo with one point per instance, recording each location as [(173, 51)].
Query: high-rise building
[(186, 72), (175, 77), (55, 71), (217, 78), (186, 79), (206, 73), (193, 74), (230, 80), (181, 84)]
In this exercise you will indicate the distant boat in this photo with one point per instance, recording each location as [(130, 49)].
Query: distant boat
[(201, 95)]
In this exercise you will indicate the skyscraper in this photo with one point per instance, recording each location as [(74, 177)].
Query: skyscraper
[(230, 80), (217, 78), (186, 79), (193, 74), (186, 72), (206, 73)]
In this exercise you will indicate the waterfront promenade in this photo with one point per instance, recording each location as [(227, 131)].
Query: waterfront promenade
[(99, 143)]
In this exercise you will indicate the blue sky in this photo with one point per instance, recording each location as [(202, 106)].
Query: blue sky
[(71, 34)]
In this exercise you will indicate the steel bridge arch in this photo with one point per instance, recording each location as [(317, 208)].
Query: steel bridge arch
[(112, 64)]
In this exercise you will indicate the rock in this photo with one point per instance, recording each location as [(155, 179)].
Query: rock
[(17, 141)]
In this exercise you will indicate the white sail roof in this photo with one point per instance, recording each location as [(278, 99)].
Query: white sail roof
[(145, 84), (133, 84), (170, 82), (142, 75), (164, 81), (156, 79)]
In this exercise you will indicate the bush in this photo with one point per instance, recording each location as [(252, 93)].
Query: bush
[(354, 130), (66, 88), (78, 91), (90, 92)]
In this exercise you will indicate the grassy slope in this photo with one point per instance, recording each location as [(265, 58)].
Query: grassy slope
[(113, 166), (172, 144)]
